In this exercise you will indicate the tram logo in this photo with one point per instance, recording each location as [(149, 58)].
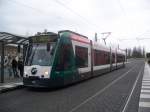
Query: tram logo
[(34, 71)]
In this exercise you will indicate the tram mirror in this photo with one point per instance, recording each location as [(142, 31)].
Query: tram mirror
[(48, 46)]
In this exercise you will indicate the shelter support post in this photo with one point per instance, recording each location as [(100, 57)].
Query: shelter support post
[(2, 62)]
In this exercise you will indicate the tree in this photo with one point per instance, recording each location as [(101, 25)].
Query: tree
[(137, 52), (129, 52)]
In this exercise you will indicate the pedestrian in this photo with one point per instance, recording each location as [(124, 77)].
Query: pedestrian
[(20, 67), (14, 67), (9, 66)]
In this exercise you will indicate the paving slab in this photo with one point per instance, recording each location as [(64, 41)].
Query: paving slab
[(144, 102)]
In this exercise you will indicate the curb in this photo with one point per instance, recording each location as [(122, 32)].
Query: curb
[(11, 88)]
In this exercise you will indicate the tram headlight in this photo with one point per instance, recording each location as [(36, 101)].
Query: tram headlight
[(46, 73)]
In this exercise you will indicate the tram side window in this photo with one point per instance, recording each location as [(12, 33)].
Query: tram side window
[(120, 58), (64, 60), (108, 58), (97, 55), (81, 56), (113, 58), (101, 58), (105, 57), (124, 58)]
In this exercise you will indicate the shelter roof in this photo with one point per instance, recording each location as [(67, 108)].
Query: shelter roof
[(9, 38)]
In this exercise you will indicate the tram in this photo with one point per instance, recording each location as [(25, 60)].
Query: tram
[(55, 60)]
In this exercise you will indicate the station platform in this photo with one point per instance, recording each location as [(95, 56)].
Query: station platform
[(144, 102), (8, 86)]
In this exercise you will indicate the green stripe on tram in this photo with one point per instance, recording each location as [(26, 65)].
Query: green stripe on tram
[(64, 66)]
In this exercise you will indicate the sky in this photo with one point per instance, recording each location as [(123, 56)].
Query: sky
[(127, 20)]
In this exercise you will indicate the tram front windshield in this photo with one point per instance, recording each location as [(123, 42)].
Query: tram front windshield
[(38, 54)]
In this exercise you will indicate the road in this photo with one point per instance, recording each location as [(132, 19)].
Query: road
[(117, 91)]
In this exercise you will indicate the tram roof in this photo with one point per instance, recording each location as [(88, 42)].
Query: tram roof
[(43, 34), (9, 38), (73, 33)]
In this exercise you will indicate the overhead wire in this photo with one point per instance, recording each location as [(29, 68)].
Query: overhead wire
[(138, 37), (124, 12), (76, 13), (27, 6), (32, 8), (86, 21)]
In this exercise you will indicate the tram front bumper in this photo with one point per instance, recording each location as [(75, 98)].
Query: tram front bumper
[(42, 83)]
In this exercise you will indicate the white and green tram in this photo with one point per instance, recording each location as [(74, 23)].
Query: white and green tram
[(55, 60)]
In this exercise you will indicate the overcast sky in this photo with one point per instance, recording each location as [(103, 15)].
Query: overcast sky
[(126, 19)]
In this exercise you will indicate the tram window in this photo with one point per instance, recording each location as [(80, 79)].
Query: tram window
[(108, 57), (66, 55), (101, 58), (81, 56), (39, 55), (120, 58), (97, 57), (64, 60), (113, 58)]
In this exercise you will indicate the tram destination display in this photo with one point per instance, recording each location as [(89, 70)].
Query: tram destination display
[(43, 38)]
